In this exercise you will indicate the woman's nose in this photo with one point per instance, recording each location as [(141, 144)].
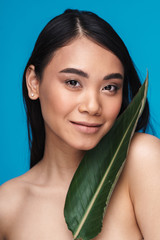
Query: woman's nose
[(90, 104)]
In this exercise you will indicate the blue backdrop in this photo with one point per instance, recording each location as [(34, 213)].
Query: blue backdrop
[(138, 24)]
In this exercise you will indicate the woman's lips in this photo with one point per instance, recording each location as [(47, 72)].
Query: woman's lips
[(86, 127)]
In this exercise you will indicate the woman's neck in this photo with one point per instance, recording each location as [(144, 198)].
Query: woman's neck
[(60, 162)]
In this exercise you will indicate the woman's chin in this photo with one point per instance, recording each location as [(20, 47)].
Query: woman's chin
[(86, 147)]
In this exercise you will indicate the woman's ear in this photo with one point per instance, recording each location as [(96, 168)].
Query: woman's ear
[(32, 83)]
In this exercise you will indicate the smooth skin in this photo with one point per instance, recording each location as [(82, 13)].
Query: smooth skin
[(81, 95)]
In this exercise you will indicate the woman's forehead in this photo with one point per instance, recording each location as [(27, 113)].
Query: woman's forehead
[(85, 54)]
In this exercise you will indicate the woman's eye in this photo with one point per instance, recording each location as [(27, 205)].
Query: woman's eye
[(110, 88), (73, 83)]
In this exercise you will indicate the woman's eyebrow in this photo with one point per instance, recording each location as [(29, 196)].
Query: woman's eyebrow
[(113, 76), (84, 74), (75, 71)]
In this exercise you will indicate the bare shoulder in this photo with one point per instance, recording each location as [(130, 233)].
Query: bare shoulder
[(12, 195), (144, 148), (143, 174), (11, 191), (143, 158), (148, 141)]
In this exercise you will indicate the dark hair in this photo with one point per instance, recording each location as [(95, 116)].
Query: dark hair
[(58, 33)]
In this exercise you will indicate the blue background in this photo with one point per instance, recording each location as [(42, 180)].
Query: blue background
[(138, 24)]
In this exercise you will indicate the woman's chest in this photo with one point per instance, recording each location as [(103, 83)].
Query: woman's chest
[(41, 217), (119, 221)]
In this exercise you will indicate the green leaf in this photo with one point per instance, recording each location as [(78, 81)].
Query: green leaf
[(93, 183)]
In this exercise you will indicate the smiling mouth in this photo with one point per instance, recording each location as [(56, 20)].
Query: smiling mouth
[(85, 127)]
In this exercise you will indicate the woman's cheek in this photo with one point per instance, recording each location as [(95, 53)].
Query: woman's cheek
[(113, 108)]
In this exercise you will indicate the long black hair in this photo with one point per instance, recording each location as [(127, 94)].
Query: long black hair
[(57, 33)]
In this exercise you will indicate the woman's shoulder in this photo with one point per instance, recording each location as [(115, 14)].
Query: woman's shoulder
[(143, 176), (144, 150), (143, 157), (15, 190), (9, 188), (140, 139), (12, 195)]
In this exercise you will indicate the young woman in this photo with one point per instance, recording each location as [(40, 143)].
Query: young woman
[(78, 80)]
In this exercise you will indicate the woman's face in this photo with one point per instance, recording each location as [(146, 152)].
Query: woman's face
[(81, 94)]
